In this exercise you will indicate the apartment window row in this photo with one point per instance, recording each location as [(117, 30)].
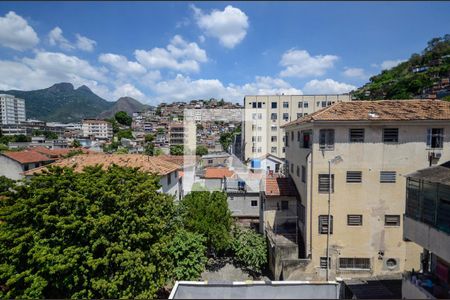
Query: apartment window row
[(353, 177), (355, 220), (353, 263), (303, 104), (257, 104)]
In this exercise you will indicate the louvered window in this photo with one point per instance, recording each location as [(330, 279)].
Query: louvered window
[(323, 224), (354, 220), (354, 263), (354, 176), (387, 176), (391, 220), (390, 135), (356, 135)]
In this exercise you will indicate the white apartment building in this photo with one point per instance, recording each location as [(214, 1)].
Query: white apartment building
[(365, 148), (97, 128), (12, 110), (264, 116)]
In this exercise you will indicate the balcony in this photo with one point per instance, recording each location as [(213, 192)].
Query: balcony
[(423, 286)]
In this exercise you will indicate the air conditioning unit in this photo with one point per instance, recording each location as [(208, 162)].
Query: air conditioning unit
[(391, 264)]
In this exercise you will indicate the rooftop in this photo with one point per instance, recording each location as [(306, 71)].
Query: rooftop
[(55, 153), (280, 186), (437, 174), (216, 173), (27, 156), (382, 110), (215, 155), (149, 164), (181, 160)]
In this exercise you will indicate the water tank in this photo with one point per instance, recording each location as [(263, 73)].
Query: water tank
[(255, 164)]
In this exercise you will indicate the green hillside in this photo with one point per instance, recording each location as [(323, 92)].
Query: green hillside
[(424, 75)]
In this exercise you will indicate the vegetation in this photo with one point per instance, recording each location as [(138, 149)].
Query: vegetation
[(201, 150), (20, 138), (123, 118), (402, 82), (157, 152), (47, 134), (176, 150), (74, 152), (5, 185), (208, 214), (125, 133), (76, 144), (111, 147), (250, 249)]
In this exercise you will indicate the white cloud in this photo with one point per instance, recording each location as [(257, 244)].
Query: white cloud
[(84, 43), (299, 63), (121, 64), (179, 55), (201, 38), (56, 38), (229, 26), (128, 90), (327, 86), (355, 72), (15, 32), (389, 64)]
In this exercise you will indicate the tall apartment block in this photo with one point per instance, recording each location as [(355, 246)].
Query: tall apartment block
[(349, 163), (265, 114), (96, 128), (12, 110)]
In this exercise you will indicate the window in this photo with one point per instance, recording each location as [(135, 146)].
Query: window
[(273, 149), (259, 149), (274, 105), (259, 104), (259, 138), (254, 105), (299, 136), (435, 138), (354, 263), (387, 176), (254, 203), (390, 135), (292, 168), (318, 103), (326, 139), (306, 139), (300, 104), (284, 149), (299, 115), (324, 183), (284, 205), (292, 135), (259, 128), (354, 176), (305, 104), (254, 149), (324, 103), (273, 128), (285, 116), (323, 262), (354, 220), (273, 138), (273, 116), (357, 135), (169, 178), (298, 171), (286, 139), (323, 224), (303, 174), (253, 139), (259, 116), (285, 104), (210, 161), (391, 220), (253, 127), (305, 114), (231, 198)]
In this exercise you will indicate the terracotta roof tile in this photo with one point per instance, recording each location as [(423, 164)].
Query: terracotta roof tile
[(27, 156), (212, 173), (150, 164), (281, 186), (382, 110), (181, 160), (56, 153)]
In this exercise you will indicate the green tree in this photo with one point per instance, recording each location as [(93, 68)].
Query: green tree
[(114, 124), (208, 214), (188, 252), (76, 144), (201, 150), (50, 135), (122, 151), (123, 118), (126, 133), (5, 185), (149, 138), (21, 138), (249, 248), (95, 234), (225, 140), (149, 149), (158, 151), (160, 130), (176, 150)]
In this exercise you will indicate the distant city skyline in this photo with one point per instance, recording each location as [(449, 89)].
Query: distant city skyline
[(164, 52)]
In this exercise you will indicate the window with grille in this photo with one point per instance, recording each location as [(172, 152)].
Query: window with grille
[(324, 103), (390, 135), (354, 176), (273, 149), (273, 128), (356, 135), (323, 224), (391, 220), (259, 138), (305, 105), (354, 220), (273, 116), (354, 263), (273, 138), (259, 104), (303, 174), (274, 105), (388, 176), (435, 138), (324, 183), (285, 116), (285, 104), (254, 203), (299, 115), (326, 139), (323, 262), (300, 104)]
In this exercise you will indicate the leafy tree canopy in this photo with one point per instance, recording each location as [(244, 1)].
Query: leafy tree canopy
[(126, 133), (201, 150), (250, 249), (176, 150), (123, 118), (76, 144)]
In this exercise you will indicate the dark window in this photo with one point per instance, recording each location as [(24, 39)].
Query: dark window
[(254, 203), (300, 104), (254, 105), (354, 263), (354, 176), (326, 139), (299, 115), (273, 138), (356, 135), (323, 224), (387, 176), (305, 105), (284, 205), (259, 104), (298, 171), (324, 103), (391, 220), (274, 105), (285, 116), (303, 174), (299, 136), (354, 220), (285, 104), (292, 168), (323, 262), (306, 139), (292, 135), (286, 139), (390, 135), (273, 116), (169, 178), (435, 138), (324, 183)]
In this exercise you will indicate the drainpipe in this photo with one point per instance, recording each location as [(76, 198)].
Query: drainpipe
[(311, 199), (329, 218)]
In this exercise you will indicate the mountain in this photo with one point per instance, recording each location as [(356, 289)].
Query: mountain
[(62, 103), (126, 104), (425, 75)]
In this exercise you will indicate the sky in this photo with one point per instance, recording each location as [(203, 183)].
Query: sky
[(178, 51)]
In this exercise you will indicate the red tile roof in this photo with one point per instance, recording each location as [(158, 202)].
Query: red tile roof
[(215, 173), (382, 110), (55, 153), (181, 160), (26, 156), (281, 186)]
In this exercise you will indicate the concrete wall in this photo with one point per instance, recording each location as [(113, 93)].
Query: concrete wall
[(370, 198), (214, 184), (10, 168), (273, 215), (173, 187), (240, 204), (412, 291)]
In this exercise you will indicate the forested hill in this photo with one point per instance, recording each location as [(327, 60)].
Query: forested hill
[(424, 75)]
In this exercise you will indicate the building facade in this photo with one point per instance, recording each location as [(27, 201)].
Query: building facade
[(98, 129), (12, 109), (265, 114), (348, 163)]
